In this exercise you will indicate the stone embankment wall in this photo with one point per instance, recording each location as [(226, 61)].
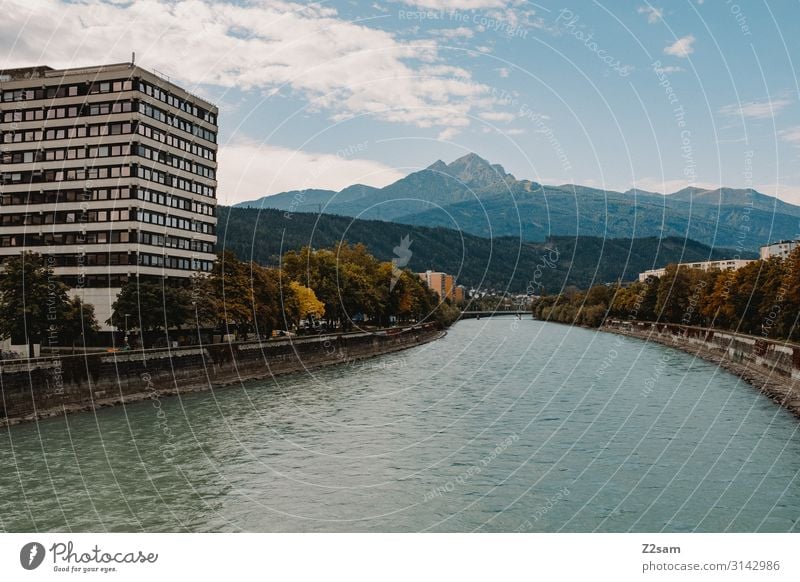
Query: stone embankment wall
[(55, 385), (771, 366)]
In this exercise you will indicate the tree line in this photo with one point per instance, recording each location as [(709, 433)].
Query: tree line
[(762, 298), (339, 288)]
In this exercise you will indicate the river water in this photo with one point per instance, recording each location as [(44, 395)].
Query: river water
[(503, 425)]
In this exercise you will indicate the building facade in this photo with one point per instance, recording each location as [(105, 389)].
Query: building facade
[(724, 265), (443, 285), (109, 172), (780, 249)]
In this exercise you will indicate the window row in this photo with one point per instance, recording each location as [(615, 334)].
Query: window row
[(175, 242), (92, 259), (163, 157), (62, 196), (175, 121), (168, 262), (75, 132), (67, 238), (178, 222), (117, 259), (66, 174), (58, 154), (175, 202), (76, 90), (31, 239), (102, 194), (69, 111), (174, 181), (176, 102), (105, 215), (65, 217), (176, 142)]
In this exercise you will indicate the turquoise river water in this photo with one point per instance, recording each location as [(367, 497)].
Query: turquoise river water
[(503, 425)]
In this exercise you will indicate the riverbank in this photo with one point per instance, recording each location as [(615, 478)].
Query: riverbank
[(772, 367), (57, 385)]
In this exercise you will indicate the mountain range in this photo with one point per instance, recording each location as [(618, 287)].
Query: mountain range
[(500, 263), (476, 197)]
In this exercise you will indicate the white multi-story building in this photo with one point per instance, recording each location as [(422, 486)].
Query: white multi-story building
[(780, 249), (109, 171), (724, 265)]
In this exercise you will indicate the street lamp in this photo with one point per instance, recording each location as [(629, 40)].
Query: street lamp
[(127, 315)]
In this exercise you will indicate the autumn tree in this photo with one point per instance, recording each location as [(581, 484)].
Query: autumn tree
[(303, 303), (232, 288)]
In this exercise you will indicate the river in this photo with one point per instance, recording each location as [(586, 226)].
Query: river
[(503, 425)]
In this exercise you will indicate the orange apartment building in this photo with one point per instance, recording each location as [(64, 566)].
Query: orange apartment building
[(443, 284)]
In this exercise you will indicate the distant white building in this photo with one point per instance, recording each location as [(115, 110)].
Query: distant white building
[(780, 249), (724, 265)]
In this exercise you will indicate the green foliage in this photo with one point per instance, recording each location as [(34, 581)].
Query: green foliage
[(79, 324), (761, 298), (150, 305), (354, 285), (33, 302)]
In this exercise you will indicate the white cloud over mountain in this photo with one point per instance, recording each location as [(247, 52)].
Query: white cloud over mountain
[(249, 169)]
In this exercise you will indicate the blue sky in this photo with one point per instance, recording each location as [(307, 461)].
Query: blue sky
[(609, 94)]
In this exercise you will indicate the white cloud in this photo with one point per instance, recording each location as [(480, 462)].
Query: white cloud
[(755, 109), (447, 134), (456, 4), (681, 48), (785, 192), (453, 33), (653, 14), (249, 170), (504, 72), (497, 116), (340, 67), (662, 186), (791, 134)]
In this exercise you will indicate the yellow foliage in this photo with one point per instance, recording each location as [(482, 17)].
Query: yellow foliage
[(307, 301)]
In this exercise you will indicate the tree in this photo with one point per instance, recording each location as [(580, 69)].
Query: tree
[(318, 271), (304, 303), (150, 305), (79, 321), (32, 300), (790, 288), (679, 294), (232, 286), (267, 311), (205, 310)]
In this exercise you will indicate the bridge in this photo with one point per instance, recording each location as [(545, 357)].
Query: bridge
[(495, 313)]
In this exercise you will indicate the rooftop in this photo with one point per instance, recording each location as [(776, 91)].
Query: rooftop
[(45, 72)]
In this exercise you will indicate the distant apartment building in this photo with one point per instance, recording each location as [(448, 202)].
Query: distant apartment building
[(460, 294), (109, 171), (724, 265), (443, 285), (780, 249)]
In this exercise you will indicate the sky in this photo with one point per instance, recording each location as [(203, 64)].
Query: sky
[(615, 94)]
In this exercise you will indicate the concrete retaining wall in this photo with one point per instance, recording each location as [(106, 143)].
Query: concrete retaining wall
[(51, 386), (771, 366)]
